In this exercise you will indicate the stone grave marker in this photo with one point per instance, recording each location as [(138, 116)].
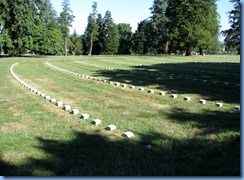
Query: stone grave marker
[(128, 134), (111, 127), (219, 104), (187, 98), (67, 108), (59, 103), (85, 116), (75, 111), (202, 101), (96, 122), (174, 96)]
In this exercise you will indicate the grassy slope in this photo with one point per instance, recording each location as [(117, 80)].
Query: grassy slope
[(187, 138)]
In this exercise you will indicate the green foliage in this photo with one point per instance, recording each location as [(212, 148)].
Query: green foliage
[(19, 24), (66, 18), (233, 35), (29, 26), (158, 23), (75, 44), (98, 45), (91, 32), (48, 35), (110, 35), (188, 23), (125, 38)]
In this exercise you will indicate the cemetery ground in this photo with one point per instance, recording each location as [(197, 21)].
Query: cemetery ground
[(172, 136)]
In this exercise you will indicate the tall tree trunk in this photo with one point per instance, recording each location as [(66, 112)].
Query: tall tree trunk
[(201, 51), (166, 49), (65, 46), (188, 49), (91, 45)]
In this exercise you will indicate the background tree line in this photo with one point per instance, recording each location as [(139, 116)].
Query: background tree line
[(173, 27)]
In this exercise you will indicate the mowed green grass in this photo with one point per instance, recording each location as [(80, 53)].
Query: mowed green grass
[(186, 138)]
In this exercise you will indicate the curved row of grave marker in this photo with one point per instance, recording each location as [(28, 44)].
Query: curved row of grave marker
[(65, 107), (170, 76), (184, 60), (172, 68), (123, 85)]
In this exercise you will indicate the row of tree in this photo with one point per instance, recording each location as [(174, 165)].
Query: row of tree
[(174, 26)]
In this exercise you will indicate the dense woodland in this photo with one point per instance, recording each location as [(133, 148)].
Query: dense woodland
[(174, 26)]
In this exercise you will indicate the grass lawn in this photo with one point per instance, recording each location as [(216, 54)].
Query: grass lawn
[(172, 137)]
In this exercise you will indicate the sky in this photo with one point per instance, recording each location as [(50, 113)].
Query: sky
[(125, 11)]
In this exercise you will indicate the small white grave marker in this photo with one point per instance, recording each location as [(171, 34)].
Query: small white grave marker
[(237, 108), (187, 98), (75, 111), (128, 134), (42, 94), (174, 96), (48, 97), (53, 100), (141, 89), (219, 104), (38, 92), (150, 91), (85, 116), (96, 122), (110, 82), (111, 127), (67, 107), (124, 85), (202, 101), (162, 93), (132, 87), (117, 83), (59, 103)]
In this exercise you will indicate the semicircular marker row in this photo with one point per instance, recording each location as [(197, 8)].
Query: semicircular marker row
[(66, 107), (170, 76), (184, 61), (150, 91), (173, 68)]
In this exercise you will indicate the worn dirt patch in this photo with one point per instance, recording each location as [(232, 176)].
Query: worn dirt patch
[(12, 127), (160, 106)]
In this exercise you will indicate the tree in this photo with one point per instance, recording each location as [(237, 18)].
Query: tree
[(233, 35), (17, 26), (66, 18), (92, 28), (188, 24), (110, 35), (159, 21), (75, 44), (48, 38), (98, 45), (125, 38), (144, 38)]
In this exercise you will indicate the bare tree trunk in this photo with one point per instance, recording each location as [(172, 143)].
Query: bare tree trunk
[(166, 49), (188, 49), (65, 46), (91, 45), (201, 51)]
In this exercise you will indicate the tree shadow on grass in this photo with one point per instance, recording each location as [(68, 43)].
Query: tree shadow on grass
[(176, 78), (96, 155), (207, 122)]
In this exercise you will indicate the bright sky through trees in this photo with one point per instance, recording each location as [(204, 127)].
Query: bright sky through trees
[(125, 11)]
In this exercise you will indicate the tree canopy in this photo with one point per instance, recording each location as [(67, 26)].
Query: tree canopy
[(233, 35), (34, 26)]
